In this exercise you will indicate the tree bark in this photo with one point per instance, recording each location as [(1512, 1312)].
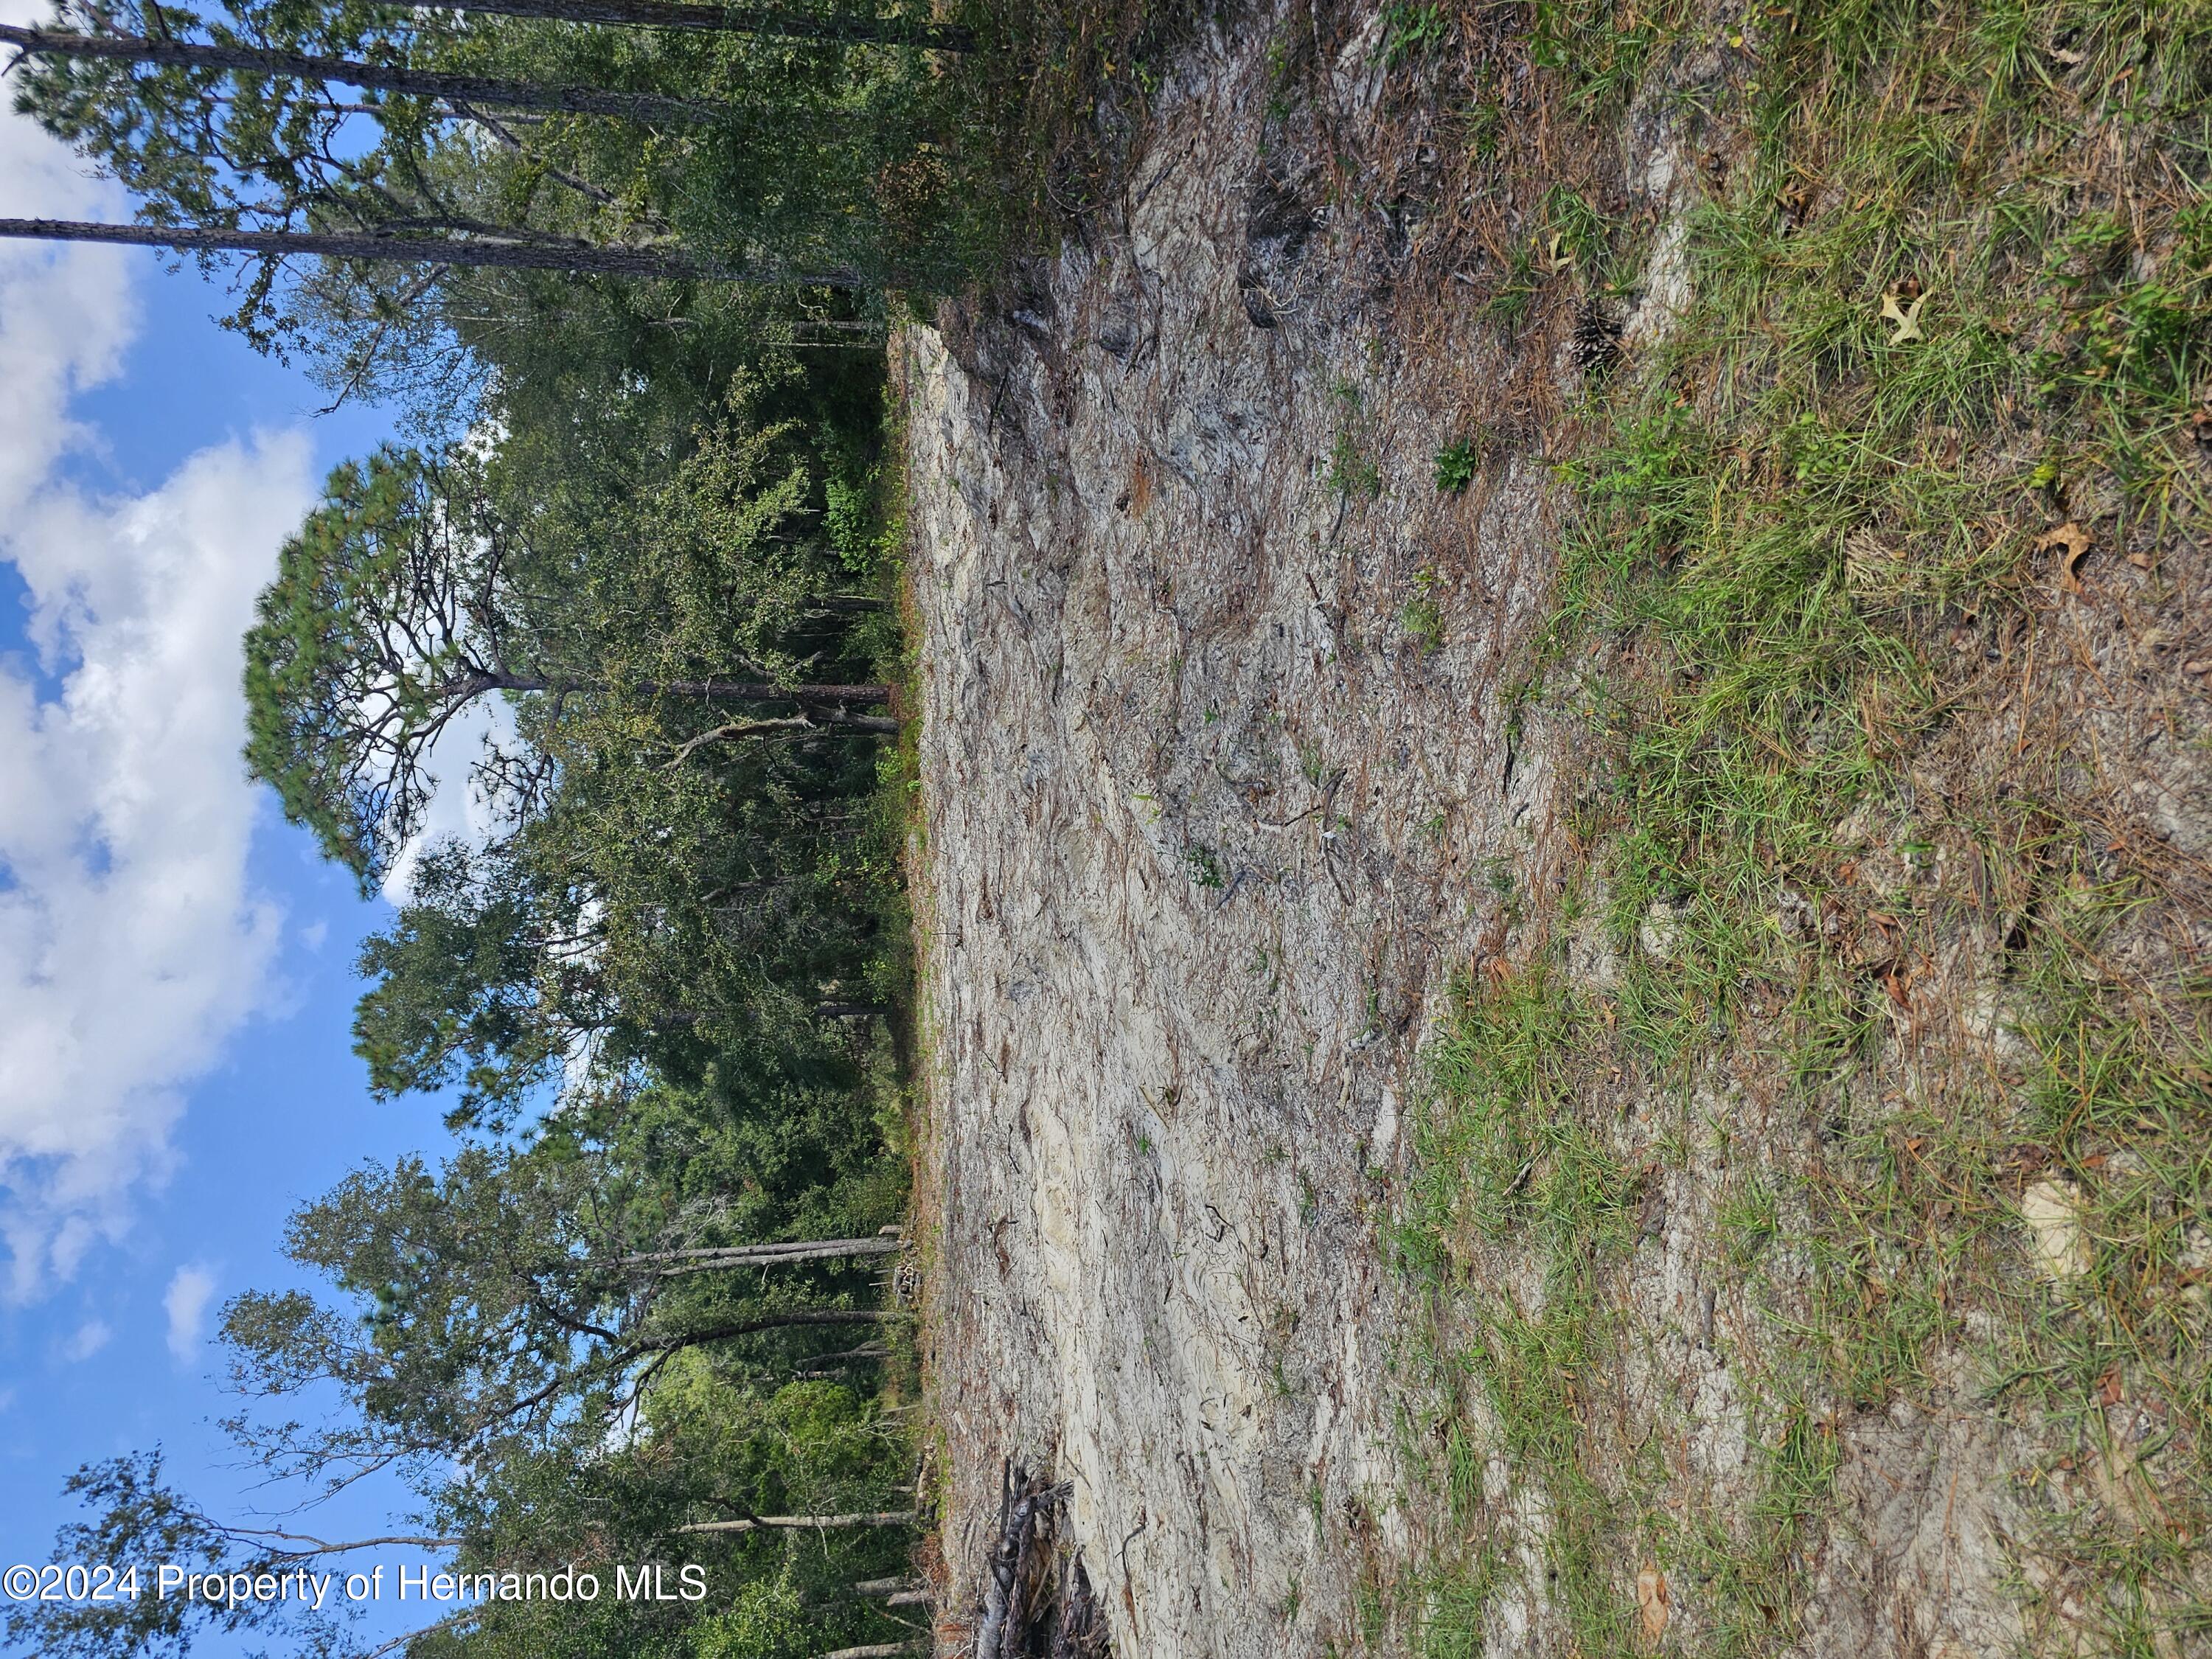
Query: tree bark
[(579, 258), (380, 77), (735, 20)]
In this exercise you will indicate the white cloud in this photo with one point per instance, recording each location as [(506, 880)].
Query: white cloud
[(459, 809), (66, 310), (88, 1340), (190, 1289), (130, 944)]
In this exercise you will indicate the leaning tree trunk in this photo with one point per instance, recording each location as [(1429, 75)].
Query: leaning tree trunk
[(756, 691), (381, 78), (581, 259), (772, 1522), (710, 690), (735, 20), (761, 1256)]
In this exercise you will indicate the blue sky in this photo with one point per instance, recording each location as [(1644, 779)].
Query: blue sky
[(175, 963)]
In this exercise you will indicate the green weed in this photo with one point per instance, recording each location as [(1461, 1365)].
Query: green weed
[(1350, 472), (1202, 864), (1932, 316), (1412, 28)]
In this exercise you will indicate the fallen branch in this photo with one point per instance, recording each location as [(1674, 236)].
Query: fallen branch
[(1002, 1624), (1079, 1630), (319, 1546)]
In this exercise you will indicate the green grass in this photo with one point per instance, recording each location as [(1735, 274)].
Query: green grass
[(1799, 528), (1351, 471)]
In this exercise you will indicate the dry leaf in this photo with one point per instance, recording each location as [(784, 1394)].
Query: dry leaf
[(2109, 1391), (1906, 317), (1652, 1601), (2074, 544)]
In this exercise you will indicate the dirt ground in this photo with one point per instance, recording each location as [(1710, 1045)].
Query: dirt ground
[(1214, 767), (1226, 790)]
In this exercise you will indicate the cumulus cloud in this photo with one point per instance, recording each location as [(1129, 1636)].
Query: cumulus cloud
[(459, 809), (87, 1340), (190, 1289), (66, 311), (131, 943)]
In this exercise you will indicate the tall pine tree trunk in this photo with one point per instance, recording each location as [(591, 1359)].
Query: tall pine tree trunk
[(380, 77), (735, 20), (516, 255), (707, 690)]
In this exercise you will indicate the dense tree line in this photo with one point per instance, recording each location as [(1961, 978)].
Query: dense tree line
[(623, 580), (767, 143)]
